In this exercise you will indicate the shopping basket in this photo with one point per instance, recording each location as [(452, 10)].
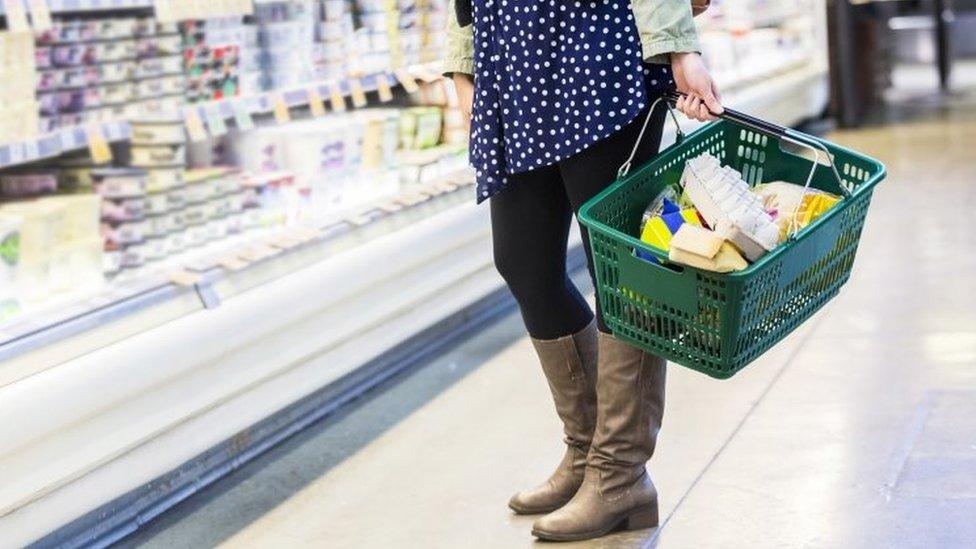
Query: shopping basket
[(719, 323)]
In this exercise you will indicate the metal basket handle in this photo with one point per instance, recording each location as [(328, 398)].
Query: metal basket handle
[(762, 126), (624, 168)]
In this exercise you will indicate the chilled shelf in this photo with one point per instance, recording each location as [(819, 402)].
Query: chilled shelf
[(63, 6), (243, 259), (59, 142)]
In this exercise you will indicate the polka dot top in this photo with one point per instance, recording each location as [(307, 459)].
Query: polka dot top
[(552, 77)]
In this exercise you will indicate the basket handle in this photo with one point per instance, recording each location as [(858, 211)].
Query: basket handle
[(780, 132), (742, 119), (624, 168)]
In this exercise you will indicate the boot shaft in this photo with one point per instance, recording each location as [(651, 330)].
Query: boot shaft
[(569, 364), (630, 409)]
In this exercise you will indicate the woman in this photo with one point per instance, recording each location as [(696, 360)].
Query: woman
[(557, 91)]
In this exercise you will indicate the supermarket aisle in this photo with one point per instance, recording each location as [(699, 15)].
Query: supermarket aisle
[(857, 431)]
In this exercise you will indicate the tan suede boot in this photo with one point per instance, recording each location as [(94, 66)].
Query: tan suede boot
[(569, 364), (616, 490)]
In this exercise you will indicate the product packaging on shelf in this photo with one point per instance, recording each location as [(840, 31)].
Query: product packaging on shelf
[(100, 70), (19, 108), (53, 250)]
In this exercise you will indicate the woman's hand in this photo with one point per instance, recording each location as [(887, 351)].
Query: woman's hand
[(692, 78), (464, 87)]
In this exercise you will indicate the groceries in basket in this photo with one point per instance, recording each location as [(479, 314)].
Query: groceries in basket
[(796, 207), (721, 224)]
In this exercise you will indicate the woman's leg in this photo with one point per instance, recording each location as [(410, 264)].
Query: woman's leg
[(616, 488), (586, 174), (530, 225)]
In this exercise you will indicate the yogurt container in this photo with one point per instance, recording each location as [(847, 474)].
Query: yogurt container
[(119, 182), (162, 132), (152, 156), (163, 179), (121, 234)]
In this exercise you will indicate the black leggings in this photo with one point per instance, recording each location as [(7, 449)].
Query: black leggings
[(530, 221)]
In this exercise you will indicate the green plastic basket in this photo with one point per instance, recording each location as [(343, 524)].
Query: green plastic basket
[(719, 323)]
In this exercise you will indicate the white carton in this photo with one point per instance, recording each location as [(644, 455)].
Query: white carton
[(725, 202)]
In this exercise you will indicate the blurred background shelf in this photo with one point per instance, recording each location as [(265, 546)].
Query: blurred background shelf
[(59, 142), (63, 6)]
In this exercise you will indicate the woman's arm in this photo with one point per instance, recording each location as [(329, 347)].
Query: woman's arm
[(665, 26), (459, 57), (668, 35)]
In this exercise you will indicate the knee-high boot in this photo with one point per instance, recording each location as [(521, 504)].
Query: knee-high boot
[(569, 364), (616, 490)]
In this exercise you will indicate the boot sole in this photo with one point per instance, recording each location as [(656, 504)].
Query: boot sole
[(640, 519)]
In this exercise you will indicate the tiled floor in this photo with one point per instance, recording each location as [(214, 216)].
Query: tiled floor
[(858, 431)]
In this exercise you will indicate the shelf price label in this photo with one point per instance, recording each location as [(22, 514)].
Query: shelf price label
[(406, 80), (98, 146), (215, 121), (336, 98), (184, 278), (357, 93), (280, 108), (32, 150), (242, 116), (40, 14), (315, 102), (16, 16), (383, 88), (232, 263), (194, 125)]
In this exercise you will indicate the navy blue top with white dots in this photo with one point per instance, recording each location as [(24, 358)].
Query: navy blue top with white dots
[(552, 77)]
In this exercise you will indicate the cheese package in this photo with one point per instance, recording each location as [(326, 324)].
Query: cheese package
[(701, 248)]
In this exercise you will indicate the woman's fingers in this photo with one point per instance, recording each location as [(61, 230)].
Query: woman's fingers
[(697, 108), (694, 108), (704, 113)]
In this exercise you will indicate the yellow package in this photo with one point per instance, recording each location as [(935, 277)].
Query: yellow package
[(659, 229)]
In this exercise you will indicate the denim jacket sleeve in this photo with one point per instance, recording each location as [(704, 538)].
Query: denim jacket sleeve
[(665, 26)]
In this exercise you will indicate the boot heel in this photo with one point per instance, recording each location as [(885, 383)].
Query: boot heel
[(646, 517)]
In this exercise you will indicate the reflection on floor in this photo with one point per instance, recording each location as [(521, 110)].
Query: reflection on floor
[(857, 431)]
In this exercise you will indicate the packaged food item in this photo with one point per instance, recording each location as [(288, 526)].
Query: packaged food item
[(119, 210), (704, 249), (795, 206), (153, 156), (726, 203), (119, 182), (118, 235), (9, 248), (41, 231), (80, 215), (158, 132), (163, 179), (660, 227), (23, 185)]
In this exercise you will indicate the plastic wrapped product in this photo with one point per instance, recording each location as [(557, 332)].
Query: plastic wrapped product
[(119, 182), (725, 202), (161, 132), (704, 249), (9, 249), (146, 156)]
